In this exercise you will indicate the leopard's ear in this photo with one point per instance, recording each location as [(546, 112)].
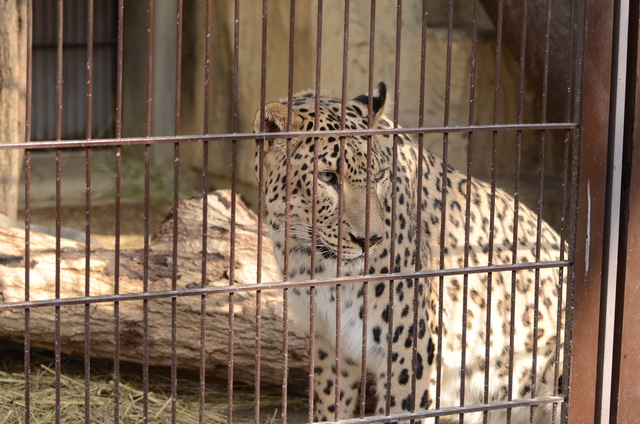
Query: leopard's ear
[(276, 117), (378, 102)]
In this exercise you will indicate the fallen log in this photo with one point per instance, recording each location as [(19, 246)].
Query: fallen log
[(131, 279)]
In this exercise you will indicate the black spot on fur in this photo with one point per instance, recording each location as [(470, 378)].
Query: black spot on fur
[(404, 377), (327, 389), (406, 403), (397, 332), (431, 348), (377, 331), (424, 400)]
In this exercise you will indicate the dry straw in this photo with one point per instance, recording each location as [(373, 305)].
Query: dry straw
[(72, 402)]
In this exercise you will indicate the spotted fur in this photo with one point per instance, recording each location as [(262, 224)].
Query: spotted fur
[(399, 255)]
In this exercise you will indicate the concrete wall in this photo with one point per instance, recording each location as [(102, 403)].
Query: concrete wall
[(219, 116)]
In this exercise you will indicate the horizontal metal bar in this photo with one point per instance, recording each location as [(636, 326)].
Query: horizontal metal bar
[(454, 410), (97, 142), (278, 285), (109, 42)]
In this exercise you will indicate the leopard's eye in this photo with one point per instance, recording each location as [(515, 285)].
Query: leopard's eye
[(380, 175), (328, 177)]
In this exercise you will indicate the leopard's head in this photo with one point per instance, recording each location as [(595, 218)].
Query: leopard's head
[(342, 173)]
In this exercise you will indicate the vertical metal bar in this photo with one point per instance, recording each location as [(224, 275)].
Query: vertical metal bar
[(467, 213), (541, 163), (562, 279), (419, 200), (394, 173), (232, 245), (394, 205), (492, 205), (343, 111), (314, 218), (59, 82), (205, 205), (263, 88), (27, 216), (516, 204), (443, 215), (287, 217), (147, 213), (117, 212), (59, 76), (87, 290), (367, 218), (176, 211)]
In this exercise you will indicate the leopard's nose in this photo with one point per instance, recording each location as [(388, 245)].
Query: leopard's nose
[(360, 241)]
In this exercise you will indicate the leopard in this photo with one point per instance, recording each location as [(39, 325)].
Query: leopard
[(358, 197)]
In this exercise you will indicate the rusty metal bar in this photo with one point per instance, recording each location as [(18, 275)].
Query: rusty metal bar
[(27, 215), (418, 236), (205, 207), (392, 266), (563, 279), (232, 241), (541, 163), (87, 310), (261, 182), (147, 212), (314, 219), (443, 212), (57, 335), (59, 64), (455, 410), (341, 203), (287, 216), (285, 284), (467, 213), (117, 213), (565, 223), (492, 205), (343, 111), (58, 204), (516, 201), (125, 141), (367, 217), (176, 212)]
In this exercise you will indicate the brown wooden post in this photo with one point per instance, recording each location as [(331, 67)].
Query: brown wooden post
[(625, 405), (594, 44), (12, 99)]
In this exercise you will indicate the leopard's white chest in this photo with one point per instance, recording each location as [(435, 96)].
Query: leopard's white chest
[(326, 313)]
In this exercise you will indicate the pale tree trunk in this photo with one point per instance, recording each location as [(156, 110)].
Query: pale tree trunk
[(12, 99)]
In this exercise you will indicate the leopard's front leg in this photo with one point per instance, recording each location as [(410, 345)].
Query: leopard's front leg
[(397, 393), (325, 383)]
